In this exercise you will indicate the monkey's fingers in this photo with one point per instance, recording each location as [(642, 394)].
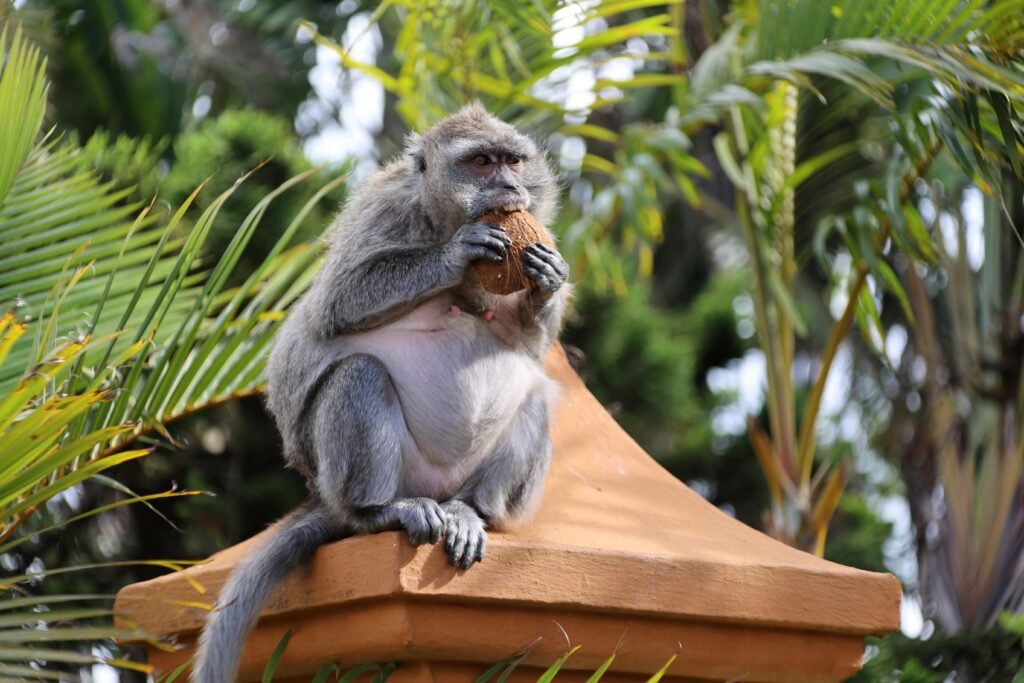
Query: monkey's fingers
[(549, 256), (495, 230), (465, 543), (464, 534), (424, 521), (539, 268), (478, 547), (489, 253), (484, 241), (494, 241), (455, 542)]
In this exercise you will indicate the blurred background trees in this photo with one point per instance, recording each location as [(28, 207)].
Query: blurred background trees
[(795, 226)]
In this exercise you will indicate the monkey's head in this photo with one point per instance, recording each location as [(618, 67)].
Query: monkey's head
[(471, 162)]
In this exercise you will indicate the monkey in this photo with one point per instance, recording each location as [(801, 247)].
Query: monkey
[(407, 396)]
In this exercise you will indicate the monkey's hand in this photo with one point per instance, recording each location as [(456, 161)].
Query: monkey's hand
[(475, 241), (464, 534), (545, 267)]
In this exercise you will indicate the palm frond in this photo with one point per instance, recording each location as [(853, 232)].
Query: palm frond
[(22, 100), (118, 323), (792, 27)]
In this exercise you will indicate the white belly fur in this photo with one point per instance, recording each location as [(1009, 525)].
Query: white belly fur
[(460, 387)]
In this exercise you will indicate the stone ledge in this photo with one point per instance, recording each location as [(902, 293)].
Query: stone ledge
[(438, 633), (619, 547), (546, 575)]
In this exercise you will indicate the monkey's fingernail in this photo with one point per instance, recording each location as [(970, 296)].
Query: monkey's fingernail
[(488, 315)]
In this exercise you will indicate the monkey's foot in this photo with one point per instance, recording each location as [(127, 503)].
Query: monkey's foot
[(422, 518), (464, 534)]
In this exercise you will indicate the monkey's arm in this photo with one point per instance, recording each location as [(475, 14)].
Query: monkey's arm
[(349, 297)]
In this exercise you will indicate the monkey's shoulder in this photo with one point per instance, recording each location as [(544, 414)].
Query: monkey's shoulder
[(384, 208), (394, 184)]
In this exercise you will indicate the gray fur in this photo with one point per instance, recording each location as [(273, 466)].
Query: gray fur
[(408, 396), (220, 646)]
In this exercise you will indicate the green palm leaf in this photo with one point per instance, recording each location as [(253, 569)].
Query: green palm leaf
[(22, 99), (122, 324)]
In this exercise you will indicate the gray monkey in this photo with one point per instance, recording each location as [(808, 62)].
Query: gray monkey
[(408, 396)]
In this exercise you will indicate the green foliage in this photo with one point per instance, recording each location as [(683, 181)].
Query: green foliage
[(751, 81), (648, 365), (992, 655), (510, 664), (136, 67), (1014, 623), (130, 331), (275, 657), (499, 52), (117, 85), (242, 138), (966, 306), (126, 162), (22, 97), (858, 535), (748, 83), (255, 145), (42, 461), (712, 319), (638, 362)]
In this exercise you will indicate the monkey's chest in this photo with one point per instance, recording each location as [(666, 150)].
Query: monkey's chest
[(459, 394), (460, 387)]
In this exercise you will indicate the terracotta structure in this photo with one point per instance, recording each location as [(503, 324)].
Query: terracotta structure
[(621, 555)]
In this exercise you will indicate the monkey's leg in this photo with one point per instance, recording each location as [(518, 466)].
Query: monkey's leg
[(507, 485), (357, 432)]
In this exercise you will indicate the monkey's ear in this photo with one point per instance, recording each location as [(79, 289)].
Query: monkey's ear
[(414, 148)]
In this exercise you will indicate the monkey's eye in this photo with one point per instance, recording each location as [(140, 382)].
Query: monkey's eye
[(482, 160), (512, 160)]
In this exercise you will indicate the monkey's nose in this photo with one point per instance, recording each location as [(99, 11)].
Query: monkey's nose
[(509, 187)]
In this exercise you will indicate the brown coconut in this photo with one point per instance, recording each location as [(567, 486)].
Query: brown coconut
[(508, 277)]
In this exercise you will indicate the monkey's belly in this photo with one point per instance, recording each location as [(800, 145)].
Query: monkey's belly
[(460, 388)]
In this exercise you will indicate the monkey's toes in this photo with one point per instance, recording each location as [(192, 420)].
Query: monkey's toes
[(465, 540), (424, 521)]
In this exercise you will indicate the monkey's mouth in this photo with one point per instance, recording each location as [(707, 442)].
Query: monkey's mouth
[(508, 202)]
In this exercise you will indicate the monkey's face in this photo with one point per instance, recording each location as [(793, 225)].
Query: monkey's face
[(482, 174), (473, 162), (497, 175)]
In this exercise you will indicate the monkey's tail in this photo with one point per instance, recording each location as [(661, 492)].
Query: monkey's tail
[(293, 542)]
